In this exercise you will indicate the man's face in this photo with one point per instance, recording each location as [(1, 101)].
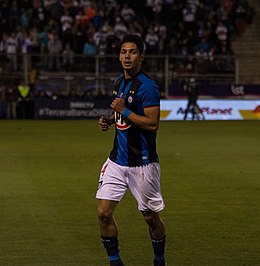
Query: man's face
[(130, 58)]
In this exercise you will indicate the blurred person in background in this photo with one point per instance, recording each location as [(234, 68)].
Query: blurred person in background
[(191, 87), (24, 105), (11, 95), (55, 48), (43, 37), (26, 50), (2, 100), (68, 58), (11, 50), (89, 51)]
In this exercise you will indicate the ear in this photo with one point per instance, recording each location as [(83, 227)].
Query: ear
[(141, 58)]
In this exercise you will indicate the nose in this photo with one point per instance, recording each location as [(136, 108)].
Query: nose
[(127, 55)]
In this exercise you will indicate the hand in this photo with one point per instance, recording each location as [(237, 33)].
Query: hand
[(118, 104), (104, 123)]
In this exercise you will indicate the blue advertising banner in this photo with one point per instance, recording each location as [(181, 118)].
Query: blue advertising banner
[(72, 109)]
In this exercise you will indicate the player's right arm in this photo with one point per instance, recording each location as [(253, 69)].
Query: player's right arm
[(106, 122)]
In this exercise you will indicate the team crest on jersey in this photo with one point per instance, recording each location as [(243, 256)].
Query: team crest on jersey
[(130, 99), (121, 122)]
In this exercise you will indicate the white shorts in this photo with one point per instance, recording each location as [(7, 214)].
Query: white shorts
[(142, 181)]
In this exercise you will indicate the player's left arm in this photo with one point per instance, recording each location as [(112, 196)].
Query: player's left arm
[(148, 121)]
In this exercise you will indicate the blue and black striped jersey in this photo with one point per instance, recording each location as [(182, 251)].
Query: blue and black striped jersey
[(134, 146)]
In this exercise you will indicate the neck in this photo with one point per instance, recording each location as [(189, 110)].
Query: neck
[(131, 73)]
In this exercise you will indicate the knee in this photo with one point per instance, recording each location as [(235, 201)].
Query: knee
[(149, 218), (104, 216)]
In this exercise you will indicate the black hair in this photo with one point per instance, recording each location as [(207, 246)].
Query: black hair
[(134, 38)]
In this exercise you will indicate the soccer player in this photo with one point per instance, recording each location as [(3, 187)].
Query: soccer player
[(133, 162)]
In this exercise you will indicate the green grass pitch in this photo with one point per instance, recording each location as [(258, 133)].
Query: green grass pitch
[(210, 182)]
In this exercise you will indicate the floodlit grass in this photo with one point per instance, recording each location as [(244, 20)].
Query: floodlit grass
[(210, 181)]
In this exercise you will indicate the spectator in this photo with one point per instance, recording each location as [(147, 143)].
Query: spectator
[(11, 95), (157, 8), (25, 19), (47, 3), (68, 58), (11, 50), (162, 32), (100, 38), (26, 49), (39, 15), (78, 39), (98, 19), (153, 10), (3, 39), (208, 32), (127, 13), (66, 21), (52, 25), (148, 10), (90, 48), (152, 41), (81, 18), (221, 33), (189, 18), (241, 11), (55, 48), (201, 61), (90, 11), (90, 31), (136, 28), (14, 16), (2, 100), (109, 5), (227, 5), (43, 37), (184, 50), (120, 28), (202, 47), (34, 35), (67, 37), (85, 3), (89, 51)]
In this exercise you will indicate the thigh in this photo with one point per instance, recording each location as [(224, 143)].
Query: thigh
[(144, 183), (112, 182)]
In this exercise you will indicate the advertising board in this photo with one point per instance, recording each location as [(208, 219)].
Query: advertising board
[(72, 109), (213, 109), (217, 109)]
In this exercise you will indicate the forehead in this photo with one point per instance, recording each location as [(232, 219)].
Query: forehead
[(129, 46)]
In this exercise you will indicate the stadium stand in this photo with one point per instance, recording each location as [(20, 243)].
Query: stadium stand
[(41, 40), (247, 49)]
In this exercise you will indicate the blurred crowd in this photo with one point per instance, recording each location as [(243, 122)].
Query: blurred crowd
[(89, 27), (60, 31)]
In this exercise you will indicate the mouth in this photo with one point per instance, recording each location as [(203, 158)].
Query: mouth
[(127, 63)]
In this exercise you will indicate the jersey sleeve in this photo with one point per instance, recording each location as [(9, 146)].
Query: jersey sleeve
[(151, 94)]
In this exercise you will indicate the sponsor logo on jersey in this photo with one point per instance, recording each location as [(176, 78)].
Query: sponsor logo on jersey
[(121, 122)]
